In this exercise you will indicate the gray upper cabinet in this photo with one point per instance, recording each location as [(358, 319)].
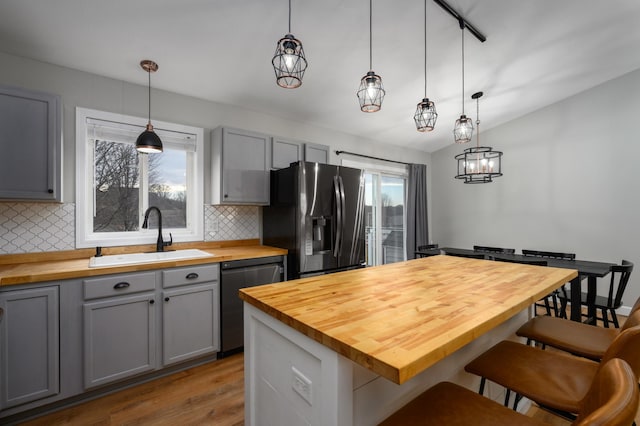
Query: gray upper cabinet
[(240, 167), (31, 145), (316, 153), (29, 345), (285, 152)]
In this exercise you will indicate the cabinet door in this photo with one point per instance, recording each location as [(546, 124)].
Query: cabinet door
[(284, 152), (119, 338), (30, 142), (245, 167), (29, 345), (190, 322), (316, 153)]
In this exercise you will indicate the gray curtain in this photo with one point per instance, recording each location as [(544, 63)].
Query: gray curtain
[(417, 223)]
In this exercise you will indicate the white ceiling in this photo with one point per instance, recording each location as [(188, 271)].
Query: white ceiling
[(537, 52)]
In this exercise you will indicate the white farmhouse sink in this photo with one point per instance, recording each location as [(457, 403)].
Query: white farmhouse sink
[(133, 258)]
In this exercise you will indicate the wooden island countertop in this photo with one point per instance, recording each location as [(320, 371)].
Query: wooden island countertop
[(401, 318), (48, 266)]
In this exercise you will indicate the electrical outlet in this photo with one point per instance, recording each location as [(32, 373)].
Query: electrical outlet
[(301, 384)]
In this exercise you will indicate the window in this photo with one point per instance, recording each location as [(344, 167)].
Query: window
[(385, 213), (115, 184)]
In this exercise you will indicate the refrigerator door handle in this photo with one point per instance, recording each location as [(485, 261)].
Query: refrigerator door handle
[(344, 213), (339, 199)]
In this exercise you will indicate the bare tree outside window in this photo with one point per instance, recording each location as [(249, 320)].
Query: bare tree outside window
[(117, 187)]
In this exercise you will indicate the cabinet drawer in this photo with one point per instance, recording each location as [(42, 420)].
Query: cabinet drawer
[(118, 285), (190, 275)]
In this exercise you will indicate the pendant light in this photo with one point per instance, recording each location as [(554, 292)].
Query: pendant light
[(426, 115), (481, 163), (370, 93), (289, 62), (463, 129), (148, 142)]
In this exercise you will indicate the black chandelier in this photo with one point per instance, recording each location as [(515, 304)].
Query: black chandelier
[(289, 62), (425, 116), (479, 164)]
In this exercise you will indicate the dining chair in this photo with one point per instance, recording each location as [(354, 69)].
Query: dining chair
[(613, 300), (427, 250), (554, 380), (575, 337), (487, 249), (535, 262), (553, 296), (612, 399)]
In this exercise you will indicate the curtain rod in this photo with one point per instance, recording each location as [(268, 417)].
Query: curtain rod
[(373, 158), (443, 4)]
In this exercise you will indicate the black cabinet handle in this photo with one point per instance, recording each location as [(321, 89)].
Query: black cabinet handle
[(151, 302), (50, 191), (192, 276), (166, 299), (121, 285)]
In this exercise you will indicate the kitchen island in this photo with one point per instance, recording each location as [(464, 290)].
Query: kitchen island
[(352, 347)]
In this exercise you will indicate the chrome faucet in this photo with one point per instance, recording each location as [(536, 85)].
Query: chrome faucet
[(160, 244)]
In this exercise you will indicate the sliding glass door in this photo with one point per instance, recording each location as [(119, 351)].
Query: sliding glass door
[(385, 217)]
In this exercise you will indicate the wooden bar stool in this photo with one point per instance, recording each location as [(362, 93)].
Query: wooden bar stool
[(612, 400), (575, 337), (554, 380)]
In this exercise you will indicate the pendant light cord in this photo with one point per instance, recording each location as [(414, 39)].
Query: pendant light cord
[(425, 48), (289, 16), (149, 86), (370, 35), (462, 29), (478, 122)]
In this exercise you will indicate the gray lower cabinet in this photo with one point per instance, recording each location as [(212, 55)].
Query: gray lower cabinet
[(29, 345), (190, 312), (119, 338)]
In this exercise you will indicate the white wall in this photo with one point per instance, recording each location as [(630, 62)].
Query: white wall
[(569, 182)]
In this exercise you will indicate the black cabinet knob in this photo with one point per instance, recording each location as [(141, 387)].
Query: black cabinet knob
[(166, 299), (151, 302), (50, 191)]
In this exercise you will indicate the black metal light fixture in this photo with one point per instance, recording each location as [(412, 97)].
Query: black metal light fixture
[(425, 115), (289, 62), (479, 164), (370, 93), (463, 129), (148, 142)]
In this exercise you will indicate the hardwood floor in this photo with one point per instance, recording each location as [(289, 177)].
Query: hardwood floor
[(211, 394)]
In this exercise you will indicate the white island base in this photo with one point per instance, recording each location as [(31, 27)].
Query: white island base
[(293, 380)]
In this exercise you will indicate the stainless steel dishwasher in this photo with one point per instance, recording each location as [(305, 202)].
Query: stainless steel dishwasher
[(235, 275)]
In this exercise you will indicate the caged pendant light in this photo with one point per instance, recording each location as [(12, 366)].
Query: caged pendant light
[(149, 142), (425, 115), (481, 163), (370, 93), (463, 129), (289, 62)]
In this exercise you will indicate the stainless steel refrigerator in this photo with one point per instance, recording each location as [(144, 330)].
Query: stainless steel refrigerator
[(317, 213)]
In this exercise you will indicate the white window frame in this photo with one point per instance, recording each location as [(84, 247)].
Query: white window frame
[(392, 170), (85, 236)]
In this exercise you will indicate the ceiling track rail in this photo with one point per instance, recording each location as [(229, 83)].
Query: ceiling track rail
[(473, 30), (373, 158)]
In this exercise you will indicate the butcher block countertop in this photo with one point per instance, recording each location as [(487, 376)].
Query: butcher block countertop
[(48, 266), (399, 319)]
